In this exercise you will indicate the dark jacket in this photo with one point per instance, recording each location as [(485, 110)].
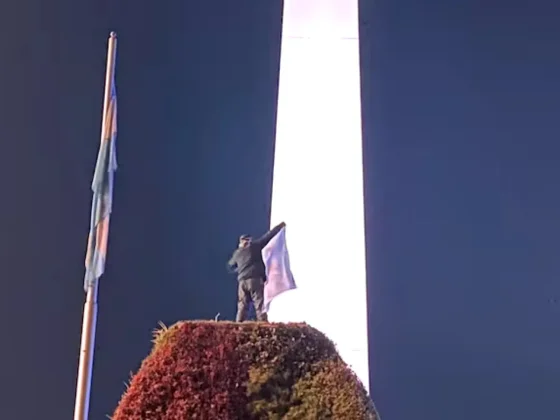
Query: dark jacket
[(247, 262)]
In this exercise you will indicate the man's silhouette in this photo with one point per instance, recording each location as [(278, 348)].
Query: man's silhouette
[(248, 263)]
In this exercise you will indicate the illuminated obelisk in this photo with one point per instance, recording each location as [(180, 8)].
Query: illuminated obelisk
[(318, 174)]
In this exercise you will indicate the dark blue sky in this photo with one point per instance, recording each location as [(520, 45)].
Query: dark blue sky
[(460, 104)]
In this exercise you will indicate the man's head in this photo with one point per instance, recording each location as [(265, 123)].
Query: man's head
[(245, 241)]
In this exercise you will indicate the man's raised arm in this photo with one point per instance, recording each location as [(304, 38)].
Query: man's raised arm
[(265, 239)]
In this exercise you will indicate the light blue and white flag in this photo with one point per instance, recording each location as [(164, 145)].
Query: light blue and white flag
[(102, 203), (278, 273)]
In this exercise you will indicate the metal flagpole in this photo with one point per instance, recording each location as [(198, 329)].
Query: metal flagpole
[(85, 370)]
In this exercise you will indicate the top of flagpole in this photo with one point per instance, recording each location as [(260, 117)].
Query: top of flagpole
[(109, 78)]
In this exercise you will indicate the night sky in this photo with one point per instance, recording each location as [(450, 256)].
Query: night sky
[(461, 105)]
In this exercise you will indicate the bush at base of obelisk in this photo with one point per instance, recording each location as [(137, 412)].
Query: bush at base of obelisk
[(235, 371)]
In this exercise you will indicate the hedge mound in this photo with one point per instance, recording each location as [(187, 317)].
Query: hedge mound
[(210, 370)]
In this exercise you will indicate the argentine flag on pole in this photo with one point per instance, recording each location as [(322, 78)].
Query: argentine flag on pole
[(278, 273), (102, 187)]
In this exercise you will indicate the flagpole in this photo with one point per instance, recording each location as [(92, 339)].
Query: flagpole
[(85, 370)]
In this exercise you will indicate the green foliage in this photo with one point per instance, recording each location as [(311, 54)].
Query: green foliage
[(330, 391)]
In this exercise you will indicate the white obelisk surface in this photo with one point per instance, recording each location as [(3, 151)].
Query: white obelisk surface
[(318, 174)]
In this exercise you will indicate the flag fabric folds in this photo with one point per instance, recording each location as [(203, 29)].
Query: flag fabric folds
[(278, 272), (102, 187)]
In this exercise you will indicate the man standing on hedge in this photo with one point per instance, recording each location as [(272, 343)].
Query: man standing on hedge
[(247, 262)]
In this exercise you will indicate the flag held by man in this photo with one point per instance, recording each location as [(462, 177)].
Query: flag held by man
[(279, 277), (102, 187)]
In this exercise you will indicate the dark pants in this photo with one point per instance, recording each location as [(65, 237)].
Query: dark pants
[(250, 290)]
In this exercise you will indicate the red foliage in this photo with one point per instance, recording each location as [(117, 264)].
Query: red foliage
[(195, 374)]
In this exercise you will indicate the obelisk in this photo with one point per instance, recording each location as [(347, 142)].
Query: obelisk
[(318, 174)]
